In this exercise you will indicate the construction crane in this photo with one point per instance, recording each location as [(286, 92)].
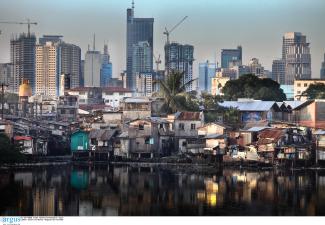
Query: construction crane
[(167, 32), (157, 61), (21, 23)]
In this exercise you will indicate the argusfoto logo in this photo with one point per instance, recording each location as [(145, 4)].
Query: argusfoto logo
[(10, 220)]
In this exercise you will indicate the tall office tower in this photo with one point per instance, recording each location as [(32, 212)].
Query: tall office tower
[(106, 70), (296, 53), (141, 59), (137, 30), (55, 39), (256, 68), (70, 62), (46, 69), (322, 70), (82, 73), (206, 72), (93, 65), (22, 58), (231, 57), (5, 74), (278, 71), (180, 58)]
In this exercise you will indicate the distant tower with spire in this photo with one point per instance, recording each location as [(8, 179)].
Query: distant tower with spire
[(137, 30)]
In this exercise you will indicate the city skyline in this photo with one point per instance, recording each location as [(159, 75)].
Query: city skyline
[(77, 21)]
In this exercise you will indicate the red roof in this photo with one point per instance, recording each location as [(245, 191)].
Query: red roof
[(189, 116), (22, 138), (106, 89)]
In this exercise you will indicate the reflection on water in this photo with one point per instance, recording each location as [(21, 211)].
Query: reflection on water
[(103, 190)]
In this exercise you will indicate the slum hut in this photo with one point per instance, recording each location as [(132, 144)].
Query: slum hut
[(122, 146), (101, 143), (268, 140), (320, 146), (80, 145)]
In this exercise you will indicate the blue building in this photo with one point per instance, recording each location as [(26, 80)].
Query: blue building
[(206, 72), (231, 56), (288, 90), (106, 69)]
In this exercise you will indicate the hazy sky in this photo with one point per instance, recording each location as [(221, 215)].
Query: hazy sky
[(257, 25)]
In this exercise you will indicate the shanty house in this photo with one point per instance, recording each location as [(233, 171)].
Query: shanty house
[(186, 126), (79, 141)]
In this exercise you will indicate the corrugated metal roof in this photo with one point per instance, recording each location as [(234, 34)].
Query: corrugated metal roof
[(320, 132), (124, 134), (189, 116), (255, 105), (257, 129), (293, 104), (101, 135), (137, 100)]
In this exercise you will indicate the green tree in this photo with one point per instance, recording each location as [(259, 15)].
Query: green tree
[(176, 98), (250, 86), (209, 101), (315, 91), (9, 153)]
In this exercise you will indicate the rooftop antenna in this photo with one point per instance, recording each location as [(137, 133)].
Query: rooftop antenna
[(94, 42), (132, 4)]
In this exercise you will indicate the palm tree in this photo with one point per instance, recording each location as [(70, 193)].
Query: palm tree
[(173, 91)]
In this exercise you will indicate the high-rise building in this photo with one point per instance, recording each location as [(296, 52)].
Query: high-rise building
[(46, 70), (93, 64), (22, 58), (5, 73), (82, 74), (70, 62), (256, 68), (68, 59), (55, 39), (206, 72), (144, 85), (322, 70), (106, 70), (180, 58), (141, 59), (278, 71), (137, 30), (231, 57), (296, 53)]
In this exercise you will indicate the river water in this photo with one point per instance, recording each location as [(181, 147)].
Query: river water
[(106, 190)]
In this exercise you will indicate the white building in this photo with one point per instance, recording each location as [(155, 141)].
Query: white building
[(144, 84), (110, 96), (93, 64), (46, 69)]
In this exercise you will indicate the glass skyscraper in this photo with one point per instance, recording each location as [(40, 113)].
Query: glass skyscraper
[(206, 72), (231, 57), (322, 70), (106, 70), (296, 53), (138, 29)]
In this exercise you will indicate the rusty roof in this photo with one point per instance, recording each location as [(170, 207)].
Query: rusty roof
[(270, 136), (189, 116)]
